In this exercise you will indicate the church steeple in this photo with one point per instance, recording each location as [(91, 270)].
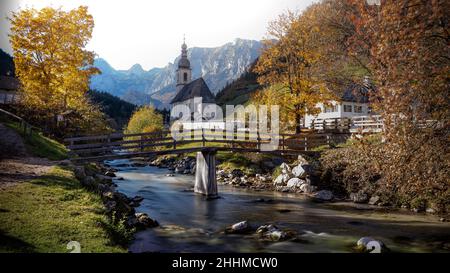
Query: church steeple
[(184, 72)]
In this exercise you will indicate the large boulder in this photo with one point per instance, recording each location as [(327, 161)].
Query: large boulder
[(282, 179), (299, 171), (285, 169), (323, 195), (295, 182)]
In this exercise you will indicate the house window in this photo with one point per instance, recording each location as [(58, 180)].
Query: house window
[(185, 77), (330, 109), (347, 108), (358, 109)]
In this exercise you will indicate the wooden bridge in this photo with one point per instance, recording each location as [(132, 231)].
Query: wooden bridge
[(206, 143), (119, 145)]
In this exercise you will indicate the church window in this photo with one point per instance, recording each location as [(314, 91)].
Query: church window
[(185, 77)]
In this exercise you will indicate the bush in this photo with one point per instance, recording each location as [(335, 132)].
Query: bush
[(416, 179)]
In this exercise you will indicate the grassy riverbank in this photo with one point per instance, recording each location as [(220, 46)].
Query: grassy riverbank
[(44, 214)]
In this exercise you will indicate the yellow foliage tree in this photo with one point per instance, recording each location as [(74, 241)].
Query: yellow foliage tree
[(145, 120), (291, 62), (50, 58)]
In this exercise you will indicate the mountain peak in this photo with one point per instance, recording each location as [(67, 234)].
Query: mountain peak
[(136, 68)]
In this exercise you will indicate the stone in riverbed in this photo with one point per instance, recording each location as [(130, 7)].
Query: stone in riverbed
[(144, 221), (272, 233), (295, 182), (323, 195), (238, 228), (299, 171), (282, 179), (374, 200), (301, 160), (369, 244), (237, 173), (110, 174), (285, 169)]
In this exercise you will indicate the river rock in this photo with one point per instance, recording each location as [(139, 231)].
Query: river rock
[(170, 175), (301, 160), (237, 173), (272, 233), (306, 188), (103, 178), (374, 200), (180, 169), (323, 195), (144, 221), (110, 174), (430, 210), (295, 182), (282, 179), (369, 244), (241, 227), (359, 197), (285, 169), (299, 171)]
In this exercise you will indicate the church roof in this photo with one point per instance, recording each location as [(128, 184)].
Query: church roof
[(196, 88)]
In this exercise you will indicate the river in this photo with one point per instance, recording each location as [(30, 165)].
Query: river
[(190, 223)]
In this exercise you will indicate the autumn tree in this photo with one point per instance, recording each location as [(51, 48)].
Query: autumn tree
[(290, 62), (51, 59), (145, 120), (411, 61)]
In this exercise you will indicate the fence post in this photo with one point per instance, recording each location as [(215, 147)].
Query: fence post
[(259, 140), (328, 140), (306, 144), (203, 137), (282, 147), (141, 143)]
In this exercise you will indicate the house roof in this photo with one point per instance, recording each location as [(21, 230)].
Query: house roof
[(357, 93), (196, 88), (9, 83)]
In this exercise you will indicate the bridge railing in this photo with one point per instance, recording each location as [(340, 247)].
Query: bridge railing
[(233, 140)]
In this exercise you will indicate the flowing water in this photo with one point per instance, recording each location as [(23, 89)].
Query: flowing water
[(190, 223)]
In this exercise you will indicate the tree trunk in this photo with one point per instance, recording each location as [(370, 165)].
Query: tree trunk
[(298, 119)]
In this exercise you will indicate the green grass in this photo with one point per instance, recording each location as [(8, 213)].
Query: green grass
[(43, 215), (41, 146)]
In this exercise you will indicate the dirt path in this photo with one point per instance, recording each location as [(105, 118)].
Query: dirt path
[(16, 165)]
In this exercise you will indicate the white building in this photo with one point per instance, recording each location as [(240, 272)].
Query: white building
[(194, 94), (353, 103)]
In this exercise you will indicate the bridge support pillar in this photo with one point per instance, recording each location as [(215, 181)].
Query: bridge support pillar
[(205, 173)]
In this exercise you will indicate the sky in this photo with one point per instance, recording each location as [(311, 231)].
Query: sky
[(150, 32)]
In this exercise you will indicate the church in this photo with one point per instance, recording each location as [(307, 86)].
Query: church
[(193, 93)]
